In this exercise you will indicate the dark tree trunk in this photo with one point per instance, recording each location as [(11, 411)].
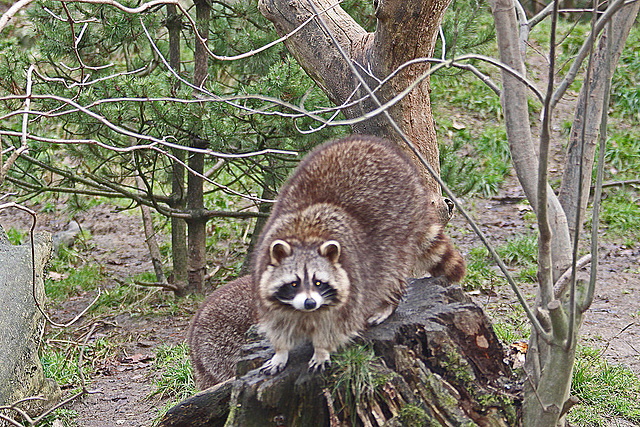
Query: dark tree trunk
[(174, 24), (178, 226), (195, 184), (196, 225), (437, 362)]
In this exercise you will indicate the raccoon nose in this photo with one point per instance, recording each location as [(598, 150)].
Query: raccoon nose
[(309, 304)]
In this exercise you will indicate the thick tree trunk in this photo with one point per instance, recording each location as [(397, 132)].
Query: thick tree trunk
[(406, 30), (436, 361), (174, 24), (22, 325)]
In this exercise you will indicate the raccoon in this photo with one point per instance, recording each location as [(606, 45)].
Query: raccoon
[(217, 332), (350, 225)]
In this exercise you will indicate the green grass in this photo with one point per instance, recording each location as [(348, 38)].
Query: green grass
[(511, 324), (60, 364), (520, 250), (480, 271), (65, 416), (74, 281), (175, 373), (354, 376), (625, 86), (606, 391), (620, 214), (174, 379), (17, 237), (622, 153), (519, 253)]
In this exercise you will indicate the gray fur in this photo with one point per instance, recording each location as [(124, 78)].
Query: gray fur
[(367, 195)]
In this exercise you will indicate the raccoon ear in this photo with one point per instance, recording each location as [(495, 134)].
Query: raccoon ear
[(331, 250), (279, 250)]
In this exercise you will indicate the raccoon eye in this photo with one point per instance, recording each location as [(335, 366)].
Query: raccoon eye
[(319, 283)]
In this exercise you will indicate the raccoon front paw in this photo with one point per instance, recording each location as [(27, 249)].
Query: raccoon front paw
[(275, 364), (320, 360)]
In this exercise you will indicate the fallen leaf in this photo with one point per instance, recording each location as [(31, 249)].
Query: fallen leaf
[(137, 358), (55, 276), (458, 126)]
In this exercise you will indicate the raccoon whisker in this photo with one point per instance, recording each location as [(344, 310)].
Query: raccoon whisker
[(329, 294)]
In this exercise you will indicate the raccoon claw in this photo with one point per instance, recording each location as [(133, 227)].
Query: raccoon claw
[(269, 368), (320, 361), (315, 367), (275, 364)]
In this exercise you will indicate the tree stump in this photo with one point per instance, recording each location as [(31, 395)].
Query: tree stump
[(435, 361), (21, 323)]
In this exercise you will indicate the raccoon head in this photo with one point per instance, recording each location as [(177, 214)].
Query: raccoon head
[(305, 278)]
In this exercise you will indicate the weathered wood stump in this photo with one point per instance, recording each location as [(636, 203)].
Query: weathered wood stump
[(436, 361), (21, 323)]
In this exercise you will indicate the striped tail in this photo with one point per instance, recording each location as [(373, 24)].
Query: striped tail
[(439, 257)]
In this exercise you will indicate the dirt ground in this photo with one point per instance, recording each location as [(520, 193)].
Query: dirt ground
[(123, 386)]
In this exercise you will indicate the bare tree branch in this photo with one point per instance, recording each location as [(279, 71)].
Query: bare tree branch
[(560, 287), (545, 261), (132, 10), (523, 153), (595, 222), (584, 51), (9, 14)]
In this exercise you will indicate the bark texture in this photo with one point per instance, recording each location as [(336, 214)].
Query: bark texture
[(405, 30), (22, 324), (437, 362), (196, 225)]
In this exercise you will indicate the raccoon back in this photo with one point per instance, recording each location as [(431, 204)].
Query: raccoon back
[(217, 332)]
